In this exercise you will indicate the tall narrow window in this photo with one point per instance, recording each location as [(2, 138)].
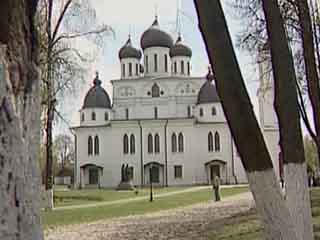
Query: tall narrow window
[(123, 70), (90, 146), (130, 69), (147, 63), (189, 111), (216, 142), (188, 66), (155, 112), (137, 69), (180, 141), (201, 112), (82, 117), (156, 143), (182, 67), (210, 142), (166, 63), (132, 144), (125, 144), (213, 111), (93, 116), (155, 63), (175, 67), (174, 142), (106, 116), (150, 143), (96, 145), (127, 113), (155, 90)]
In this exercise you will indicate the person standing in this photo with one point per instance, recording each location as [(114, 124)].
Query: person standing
[(215, 187)]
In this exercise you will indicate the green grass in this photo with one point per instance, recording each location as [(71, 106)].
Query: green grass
[(247, 226), (65, 217)]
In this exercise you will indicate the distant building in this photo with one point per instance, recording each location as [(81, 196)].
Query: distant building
[(161, 121)]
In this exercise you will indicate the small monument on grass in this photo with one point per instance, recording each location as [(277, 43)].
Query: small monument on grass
[(126, 183)]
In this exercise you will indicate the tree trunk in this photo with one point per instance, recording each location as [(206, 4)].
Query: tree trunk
[(19, 122), (243, 123), (287, 107)]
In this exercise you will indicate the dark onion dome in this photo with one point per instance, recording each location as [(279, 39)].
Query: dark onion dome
[(128, 51), (208, 92), (180, 49), (97, 97), (155, 37)]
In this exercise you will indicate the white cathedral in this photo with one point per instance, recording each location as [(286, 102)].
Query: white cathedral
[(162, 122)]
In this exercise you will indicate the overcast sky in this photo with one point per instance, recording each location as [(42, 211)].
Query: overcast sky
[(135, 17)]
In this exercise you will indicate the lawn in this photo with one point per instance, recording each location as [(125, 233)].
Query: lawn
[(248, 226), (73, 216)]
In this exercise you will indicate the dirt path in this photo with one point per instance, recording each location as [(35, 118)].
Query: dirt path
[(187, 223)]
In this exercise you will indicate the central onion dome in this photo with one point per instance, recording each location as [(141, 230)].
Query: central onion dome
[(180, 49), (97, 97), (208, 92), (155, 37), (128, 51)]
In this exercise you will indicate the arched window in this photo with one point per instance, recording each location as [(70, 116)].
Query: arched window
[(210, 142), (93, 116), (166, 63), (130, 69), (96, 145), (175, 67), (156, 143), (90, 146), (125, 144), (150, 143), (180, 141), (155, 112), (155, 63), (106, 116), (213, 111), (82, 117), (137, 69), (201, 112), (132, 144), (188, 66), (127, 113), (155, 90), (216, 142), (182, 67), (174, 143), (123, 70), (189, 111), (147, 63)]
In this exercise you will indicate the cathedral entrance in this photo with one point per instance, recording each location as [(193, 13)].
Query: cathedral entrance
[(154, 172), (214, 171), (93, 176), (90, 176), (218, 168)]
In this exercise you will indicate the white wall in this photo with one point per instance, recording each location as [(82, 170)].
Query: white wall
[(149, 68)]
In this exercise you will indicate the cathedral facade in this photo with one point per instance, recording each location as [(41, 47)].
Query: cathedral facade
[(167, 126)]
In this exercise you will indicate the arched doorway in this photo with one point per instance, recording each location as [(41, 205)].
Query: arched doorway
[(216, 167), (90, 176), (154, 172)]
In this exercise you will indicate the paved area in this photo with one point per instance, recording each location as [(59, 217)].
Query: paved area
[(187, 223)]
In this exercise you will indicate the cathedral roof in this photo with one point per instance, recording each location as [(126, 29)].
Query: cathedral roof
[(180, 49), (97, 97), (208, 92), (155, 37), (128, 51)]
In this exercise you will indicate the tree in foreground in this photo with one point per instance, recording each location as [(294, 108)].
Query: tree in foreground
[(19, 122), (282, 219)]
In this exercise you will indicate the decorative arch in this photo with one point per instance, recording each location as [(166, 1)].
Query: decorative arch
[(132, 144), (125, 144), (180, 143), (155, 90), (217, 142), (210, 142), (96, 145), (174, 142), (157, 143), (90, 146), (150, 143)]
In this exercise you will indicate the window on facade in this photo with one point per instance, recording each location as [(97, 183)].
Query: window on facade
[(213, 111), (180, 143), (201, 112), (82, 117), (216, 142), (178, 171), (106, 116), (210, 142), (127, 113), (182, 67), (147, 64), (130, 69), (188, 66), (175, 67), (123, 70), (189, 111), (125, 144), (96, 145), (90, 146), (132, 144), (93, 116), (130, 173), (174, 143), (156, 143), (166, 63), (137, 69), (150, 143), (156, 63), (155, 90), (155, 112)]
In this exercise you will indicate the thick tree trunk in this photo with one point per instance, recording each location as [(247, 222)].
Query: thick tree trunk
[(19, 123), (243, 124), (287, 107)]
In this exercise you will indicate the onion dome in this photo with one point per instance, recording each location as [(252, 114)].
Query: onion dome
[(155, 37), (208, 92), (97, 97), (180, 49), (128, 51)]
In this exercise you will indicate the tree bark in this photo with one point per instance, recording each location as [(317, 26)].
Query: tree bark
[(287, 107), (243, 123), (19, 122)]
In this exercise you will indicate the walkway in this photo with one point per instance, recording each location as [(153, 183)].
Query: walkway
[(187, 223)]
